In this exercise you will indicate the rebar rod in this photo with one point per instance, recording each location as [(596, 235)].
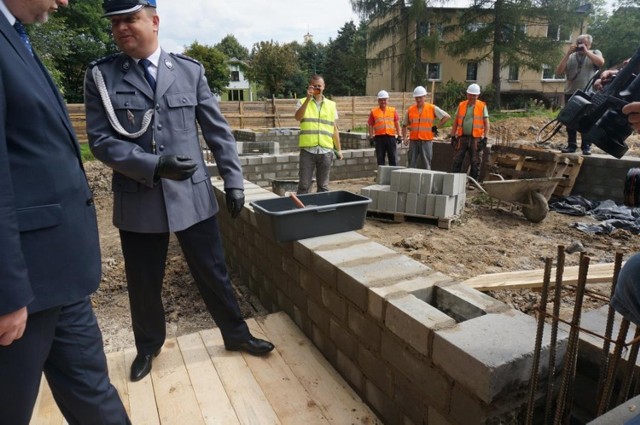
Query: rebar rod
[(563, 411), (627, 377), (607, 388), (554, 335), (542, 310), (606, 346)]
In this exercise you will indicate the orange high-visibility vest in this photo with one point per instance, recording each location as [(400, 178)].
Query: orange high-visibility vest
[(383, 121), (478, 118), (420, 123)]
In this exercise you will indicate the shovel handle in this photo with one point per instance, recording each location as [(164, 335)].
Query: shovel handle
[(296, 200)]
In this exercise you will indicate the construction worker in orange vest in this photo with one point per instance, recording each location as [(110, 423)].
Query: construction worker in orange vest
[(384, 129), (470, 131), (423, 120)]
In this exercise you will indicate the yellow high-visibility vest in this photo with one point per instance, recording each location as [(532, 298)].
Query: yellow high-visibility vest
[(317, 125)]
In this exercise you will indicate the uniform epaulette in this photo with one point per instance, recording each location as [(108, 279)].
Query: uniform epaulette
[(181, 56), (102, 60)]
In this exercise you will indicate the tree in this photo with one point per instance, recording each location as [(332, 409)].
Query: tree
[(310, 58), (76, 35), (216, 65), (346, 65), (231, 47), (617, 36), (496, 31), (272, 65)]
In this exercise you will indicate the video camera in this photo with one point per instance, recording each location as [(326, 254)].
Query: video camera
[(598, 116)]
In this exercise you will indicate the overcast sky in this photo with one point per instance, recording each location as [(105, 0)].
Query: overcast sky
[(250, 21)]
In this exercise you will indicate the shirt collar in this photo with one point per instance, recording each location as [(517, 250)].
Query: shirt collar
[(154, 58), (5, 11)]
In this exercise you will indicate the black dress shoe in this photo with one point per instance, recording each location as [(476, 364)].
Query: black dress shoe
[(568, 149), (253, 346), (141, 366), (586, 152)]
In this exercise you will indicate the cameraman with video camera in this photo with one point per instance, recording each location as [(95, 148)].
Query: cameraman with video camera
[(578, 65)]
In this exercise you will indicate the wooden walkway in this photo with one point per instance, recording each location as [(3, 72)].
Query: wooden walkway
[(196, 381)]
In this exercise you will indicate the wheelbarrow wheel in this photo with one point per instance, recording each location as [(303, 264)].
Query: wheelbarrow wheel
[(537, 211)]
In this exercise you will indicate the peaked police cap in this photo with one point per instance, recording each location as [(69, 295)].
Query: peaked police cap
[(125, 7)]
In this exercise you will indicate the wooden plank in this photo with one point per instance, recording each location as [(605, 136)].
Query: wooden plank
[(598, 273), (142, 399), (248, 399), (291, 402), (177, 404), (46, 410), (338, 402), (119, 376), (214, 403)]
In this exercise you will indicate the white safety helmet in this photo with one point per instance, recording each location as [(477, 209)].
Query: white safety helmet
[(473, 89), (382, 94), (419, 91)]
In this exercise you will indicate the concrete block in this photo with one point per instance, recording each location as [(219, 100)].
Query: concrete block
[(460, 202), (384, 174), (401, 203), (422, 204), (415, 182), (411, 205), (438, 182), (467, 409), (413, 320), (400, 181), (344, 340), (383, 403), (388, 201), (366, 330), (451, 184), (426, 185), (349, 370), (464, 303), (335, 303), (492, 355), (430, 205), (375, 369), (445, 206), (463, 183)]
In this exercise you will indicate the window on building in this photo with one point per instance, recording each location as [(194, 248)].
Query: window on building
[(512, 32), (435, 29), (472, 71), (433, 71), (235, 75), (558, 32), (235, 95), (514, 73), (548, 73)]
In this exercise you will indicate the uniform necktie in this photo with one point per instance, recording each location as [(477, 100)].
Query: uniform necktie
[(145, 64), (22, 32)]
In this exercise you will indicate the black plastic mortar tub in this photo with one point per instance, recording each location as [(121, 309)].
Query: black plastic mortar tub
[(325, 213)]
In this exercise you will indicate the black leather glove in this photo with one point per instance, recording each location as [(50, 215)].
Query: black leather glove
[(235, 201), (372, 141), (434, 130), (175, 167), (398, 139), (482, 144), (454, 141)]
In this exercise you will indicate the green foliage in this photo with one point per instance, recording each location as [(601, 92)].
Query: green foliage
[(345, 65), (272, 65), (617, 37), (85, 153), (216, 65), (450, 94), (231, 47)]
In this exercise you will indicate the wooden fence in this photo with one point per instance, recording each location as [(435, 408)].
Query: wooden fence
[(353, 111)]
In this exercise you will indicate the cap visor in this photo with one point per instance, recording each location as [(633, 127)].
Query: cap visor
[(129, 11)]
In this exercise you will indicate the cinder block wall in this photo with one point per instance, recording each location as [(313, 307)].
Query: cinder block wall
[(416, 345), (602, 177)]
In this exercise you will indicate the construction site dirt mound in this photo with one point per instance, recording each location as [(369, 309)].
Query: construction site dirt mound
[(487, 239)]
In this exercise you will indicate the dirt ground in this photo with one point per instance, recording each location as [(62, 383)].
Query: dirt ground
[(487, 239)]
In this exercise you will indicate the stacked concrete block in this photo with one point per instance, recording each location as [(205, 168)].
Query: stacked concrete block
[(419, 192), (416, 345)]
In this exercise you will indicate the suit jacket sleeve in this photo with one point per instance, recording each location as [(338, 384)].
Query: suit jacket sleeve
[(15, 287), (217, 134)]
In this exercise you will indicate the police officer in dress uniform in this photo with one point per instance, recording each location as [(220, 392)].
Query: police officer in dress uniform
[(142, 106)]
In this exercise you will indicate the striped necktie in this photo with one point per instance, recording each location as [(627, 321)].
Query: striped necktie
[(22, 32)]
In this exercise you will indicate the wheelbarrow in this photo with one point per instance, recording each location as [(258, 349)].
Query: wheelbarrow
[(530, 194)]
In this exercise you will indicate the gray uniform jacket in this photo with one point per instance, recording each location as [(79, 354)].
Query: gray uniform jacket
[(182, 98)]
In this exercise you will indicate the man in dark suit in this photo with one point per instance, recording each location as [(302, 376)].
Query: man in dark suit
[(49, 249), (142, 106)]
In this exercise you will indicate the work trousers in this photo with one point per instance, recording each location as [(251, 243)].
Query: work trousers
[(64, 342), (145, 257), (420, 154), (386, 147), (467, 144), (310, 162)]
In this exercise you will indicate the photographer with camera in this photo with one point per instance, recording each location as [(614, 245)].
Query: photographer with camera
[(384, 129), (578, 65)]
